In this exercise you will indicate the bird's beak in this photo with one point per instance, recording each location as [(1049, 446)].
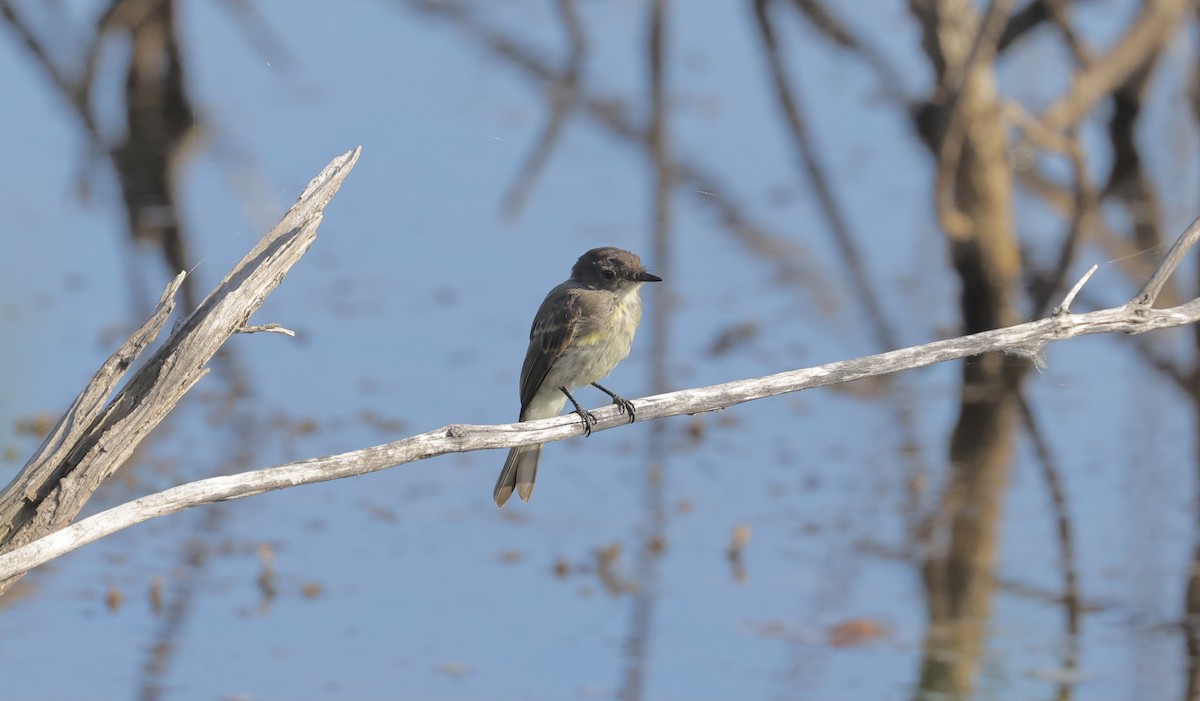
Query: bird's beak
[(646, 277)]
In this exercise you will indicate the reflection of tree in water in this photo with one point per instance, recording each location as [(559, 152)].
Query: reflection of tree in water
[(972, 133), (967, 126), (159, 120), (159, 127)]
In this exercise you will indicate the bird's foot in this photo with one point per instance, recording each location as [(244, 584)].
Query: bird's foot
[(623, 405), (588, 419)]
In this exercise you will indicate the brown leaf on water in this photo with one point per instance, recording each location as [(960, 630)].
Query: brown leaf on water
[(855, 632), (113, 598)]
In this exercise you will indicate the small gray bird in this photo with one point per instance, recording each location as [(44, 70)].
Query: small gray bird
[(584, 327)]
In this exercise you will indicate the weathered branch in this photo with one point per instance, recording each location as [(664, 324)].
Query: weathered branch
[(1149, 292), (41, 472), (93, 439), (1026, 340)]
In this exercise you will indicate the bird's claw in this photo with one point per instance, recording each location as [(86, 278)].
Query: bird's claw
[(588, 419), (625, 407)]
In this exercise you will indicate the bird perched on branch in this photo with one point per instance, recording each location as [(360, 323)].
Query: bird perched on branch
[(584, 327)]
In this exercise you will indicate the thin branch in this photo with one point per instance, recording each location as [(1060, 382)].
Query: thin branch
[(1083, 206), (39, 474), (1065, 307), (1121, 249), (272, 327), (1026, 340), (1149, 292), (839, 228), (55, 485)]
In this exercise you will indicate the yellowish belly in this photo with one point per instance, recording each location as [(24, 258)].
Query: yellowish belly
[(593, 356)]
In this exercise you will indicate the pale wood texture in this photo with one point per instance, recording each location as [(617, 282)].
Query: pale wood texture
[(94, 439)]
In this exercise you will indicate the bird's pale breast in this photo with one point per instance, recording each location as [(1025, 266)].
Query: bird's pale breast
[(594, 354)]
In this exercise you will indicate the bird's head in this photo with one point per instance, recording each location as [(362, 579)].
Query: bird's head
[(611, 269)]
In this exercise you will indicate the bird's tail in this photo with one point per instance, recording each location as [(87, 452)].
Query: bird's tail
[(520, 470)]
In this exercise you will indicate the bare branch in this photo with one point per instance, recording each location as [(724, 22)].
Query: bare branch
[(39, 473), (1065, 307), (91, 442), (272, 327), (1026, 340), (1149, 292)]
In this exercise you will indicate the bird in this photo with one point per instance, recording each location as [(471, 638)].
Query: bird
[(584, 327)]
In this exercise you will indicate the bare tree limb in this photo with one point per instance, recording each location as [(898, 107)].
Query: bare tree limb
[(39, 473), (1149, 292), (91, 442), (1065, 307), (1027, 340)]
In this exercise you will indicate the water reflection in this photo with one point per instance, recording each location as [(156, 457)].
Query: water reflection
[(654, 540), (159, 122), (986, 163)]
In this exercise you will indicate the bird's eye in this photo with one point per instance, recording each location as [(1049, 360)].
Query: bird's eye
[(608, 274)]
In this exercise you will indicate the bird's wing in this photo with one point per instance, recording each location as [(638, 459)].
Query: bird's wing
[(553, 328)]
